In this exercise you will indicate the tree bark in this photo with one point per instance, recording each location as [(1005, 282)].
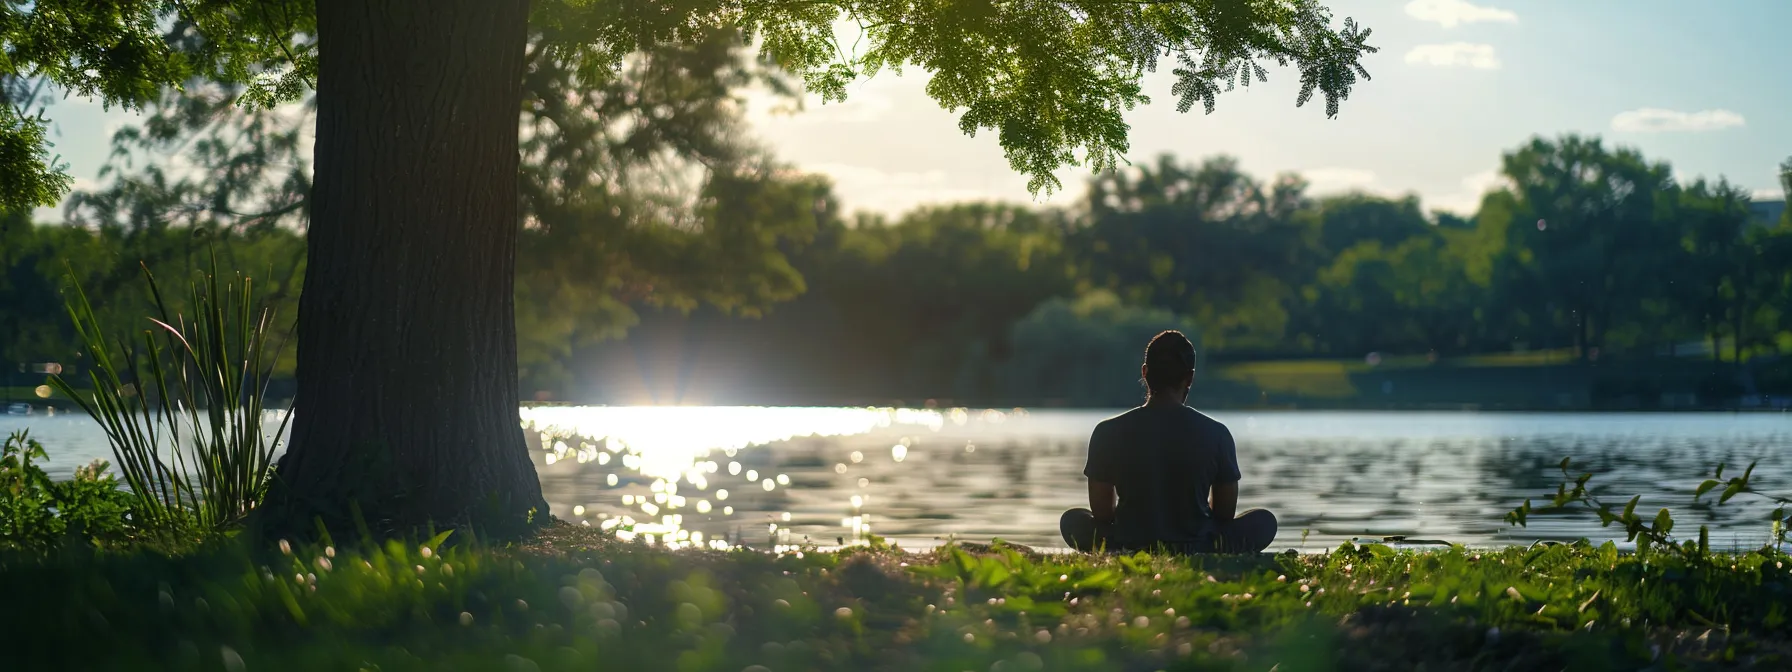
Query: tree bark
[(407, 381)]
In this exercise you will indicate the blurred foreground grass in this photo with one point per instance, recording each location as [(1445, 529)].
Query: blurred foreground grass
[(575, 599)]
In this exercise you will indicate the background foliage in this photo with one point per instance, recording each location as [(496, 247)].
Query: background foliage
[(654, 228)]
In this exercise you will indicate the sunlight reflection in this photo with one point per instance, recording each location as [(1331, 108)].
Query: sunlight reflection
[(793, 478), (669, 449), (668, 440)]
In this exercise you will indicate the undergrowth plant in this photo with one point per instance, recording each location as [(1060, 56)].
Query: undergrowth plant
[(1657, 532), (182, 406), (37, 513)]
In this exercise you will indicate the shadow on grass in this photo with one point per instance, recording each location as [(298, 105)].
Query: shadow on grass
[(577, 599)]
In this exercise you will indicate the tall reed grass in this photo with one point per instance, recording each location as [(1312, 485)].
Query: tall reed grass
[(183, 404)]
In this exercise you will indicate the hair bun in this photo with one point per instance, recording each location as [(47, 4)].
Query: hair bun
[(1168, 358)]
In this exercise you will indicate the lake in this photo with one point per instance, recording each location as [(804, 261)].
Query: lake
[(792, 476)]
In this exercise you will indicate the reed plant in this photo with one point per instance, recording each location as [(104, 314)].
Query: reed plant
[(182, 403)]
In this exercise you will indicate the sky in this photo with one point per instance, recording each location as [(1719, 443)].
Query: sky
[(1455, 84)]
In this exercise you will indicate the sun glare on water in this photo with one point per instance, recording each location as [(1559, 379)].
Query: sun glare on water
[(676, 449)]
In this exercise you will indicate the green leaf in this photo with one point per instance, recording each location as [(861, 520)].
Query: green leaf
[(1019, 603), (1630, 509), (1105, 579), (1664, 522), (991, 575), (1536, 553), (1051, 609), (1736, 487), (1136, 564), (1588, 602), (1705, 487), (1517, 516), (436, 541)]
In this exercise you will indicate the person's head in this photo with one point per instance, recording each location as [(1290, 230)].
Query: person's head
[(1169, 368)]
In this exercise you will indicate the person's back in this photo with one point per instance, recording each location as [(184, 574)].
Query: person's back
[(1163, 475), (1162, 461)]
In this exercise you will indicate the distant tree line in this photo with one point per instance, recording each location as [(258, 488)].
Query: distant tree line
[(1586, 250), (669, 254)]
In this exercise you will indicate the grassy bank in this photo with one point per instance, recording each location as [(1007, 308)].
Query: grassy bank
[(578, 600), (1533, 381)]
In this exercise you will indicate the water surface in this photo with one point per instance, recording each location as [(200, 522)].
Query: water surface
[(764, 476)]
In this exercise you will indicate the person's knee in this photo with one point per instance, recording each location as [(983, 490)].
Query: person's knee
[(1078, 528), (1263, 518), (1077, 519), (1259, 526)]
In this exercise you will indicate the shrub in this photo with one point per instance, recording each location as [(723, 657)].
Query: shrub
[(1656, 533), (1087, 351), (37, 513)]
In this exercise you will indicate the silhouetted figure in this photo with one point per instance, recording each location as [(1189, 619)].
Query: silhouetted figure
[(1164, 476)]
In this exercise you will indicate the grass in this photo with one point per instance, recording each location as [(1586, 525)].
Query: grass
[(1523, 379), (1330, 378), (1530, 358), (577, 599), (1313, 379)]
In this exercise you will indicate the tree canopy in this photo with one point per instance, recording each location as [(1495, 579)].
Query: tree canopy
[(407, 341), (1051, 78), (939, 292), (640, 190)]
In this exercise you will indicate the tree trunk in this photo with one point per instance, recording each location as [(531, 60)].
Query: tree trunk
[(1601, 326), (1713, 339), (1738, 311), (1580, 334), (407, 399)]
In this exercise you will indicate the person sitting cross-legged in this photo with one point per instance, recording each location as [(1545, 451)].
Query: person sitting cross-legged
[(1163, 476)]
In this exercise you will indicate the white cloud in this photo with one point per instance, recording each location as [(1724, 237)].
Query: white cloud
[(870, 101), (1451, 13), (1656, 120), (1332, 180), (1768, 194), (1454, 54), (862, 106), (1467, 198), (63, 100), (893, 192)]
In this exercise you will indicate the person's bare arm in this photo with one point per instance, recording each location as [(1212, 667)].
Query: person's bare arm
[(1102, 499), (1224, 501)]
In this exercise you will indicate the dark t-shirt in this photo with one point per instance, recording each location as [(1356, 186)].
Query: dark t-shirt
[(1163, 460)]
